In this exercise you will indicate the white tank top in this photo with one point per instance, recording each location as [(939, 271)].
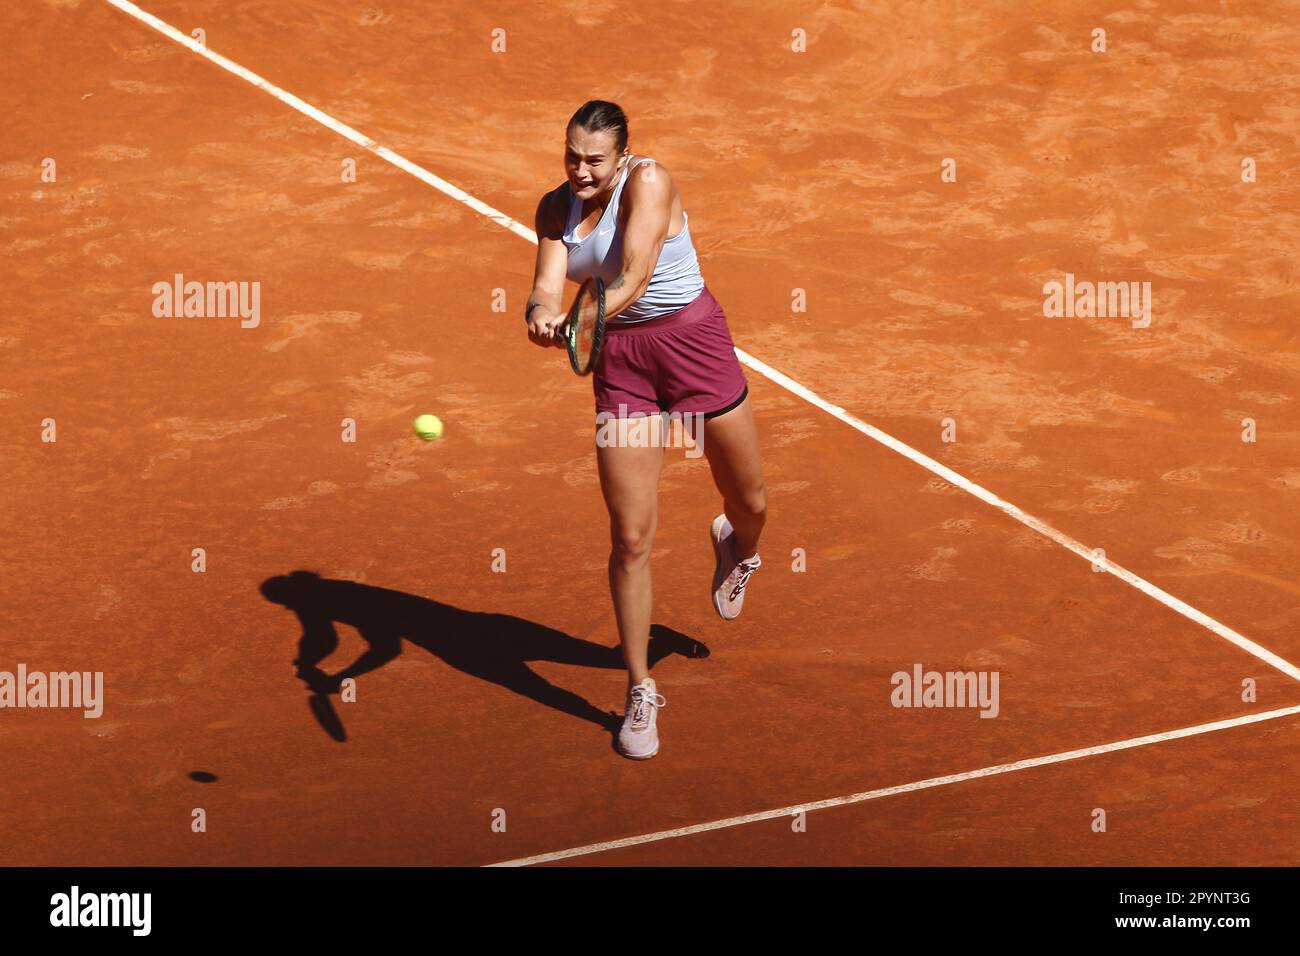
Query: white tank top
[(676, 280)]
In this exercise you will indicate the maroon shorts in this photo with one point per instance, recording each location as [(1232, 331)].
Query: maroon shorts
[(681, 362)]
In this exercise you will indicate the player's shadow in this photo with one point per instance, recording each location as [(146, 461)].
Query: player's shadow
[(492, 647)]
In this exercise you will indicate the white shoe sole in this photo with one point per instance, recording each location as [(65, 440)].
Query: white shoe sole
[(714, 530), (639, 756)]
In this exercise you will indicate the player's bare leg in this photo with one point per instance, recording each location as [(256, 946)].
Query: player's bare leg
[(629, 481), (731, 446)]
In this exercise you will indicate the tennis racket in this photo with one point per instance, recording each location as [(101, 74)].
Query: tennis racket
[(585, 329)]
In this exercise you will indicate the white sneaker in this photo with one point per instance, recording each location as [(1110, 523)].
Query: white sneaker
[(731, 574), (639, 738)]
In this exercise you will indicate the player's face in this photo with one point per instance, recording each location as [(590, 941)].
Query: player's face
[(592, 161)]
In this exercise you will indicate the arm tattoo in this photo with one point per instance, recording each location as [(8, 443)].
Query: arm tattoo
[(616, 284)]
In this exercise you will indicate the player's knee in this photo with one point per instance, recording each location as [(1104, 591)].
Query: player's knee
[(754, 502), (632, 542)]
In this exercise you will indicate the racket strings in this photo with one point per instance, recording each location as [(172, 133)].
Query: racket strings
[(586, 331), (586, 325)]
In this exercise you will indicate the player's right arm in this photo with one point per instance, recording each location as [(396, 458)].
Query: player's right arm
[(544, 310)]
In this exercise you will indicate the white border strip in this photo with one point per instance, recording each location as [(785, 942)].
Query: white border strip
[(422, 174), (905, 788)]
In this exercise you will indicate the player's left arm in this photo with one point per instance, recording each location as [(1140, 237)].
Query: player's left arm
[(648, 196)]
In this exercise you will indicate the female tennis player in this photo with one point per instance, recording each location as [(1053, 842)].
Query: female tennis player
[(667, 348)]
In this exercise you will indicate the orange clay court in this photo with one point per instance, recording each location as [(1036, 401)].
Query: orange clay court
[(1159, 686)]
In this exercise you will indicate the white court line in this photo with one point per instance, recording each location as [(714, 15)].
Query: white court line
[(343, 129), (1007, 508), (905, 788), (835, 411), (1046, 530)]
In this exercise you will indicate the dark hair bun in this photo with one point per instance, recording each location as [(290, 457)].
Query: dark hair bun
[(597, 115)]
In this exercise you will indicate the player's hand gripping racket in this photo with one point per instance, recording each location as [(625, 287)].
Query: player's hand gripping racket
[(585, 329)]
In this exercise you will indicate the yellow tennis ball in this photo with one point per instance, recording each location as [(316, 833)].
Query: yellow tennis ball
[(428, 427)]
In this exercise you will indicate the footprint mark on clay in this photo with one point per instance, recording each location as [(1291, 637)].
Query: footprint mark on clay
[(393, 464), (1242, 532), (303, 324), (938, 486), (1191, 473), (937, 567), (280, 504), (1059, 606), (191, 429)]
